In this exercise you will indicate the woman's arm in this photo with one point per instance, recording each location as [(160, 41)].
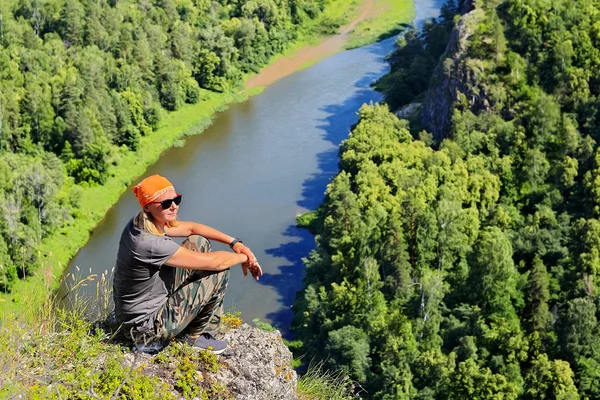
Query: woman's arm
[(186, 228), (213, 261)]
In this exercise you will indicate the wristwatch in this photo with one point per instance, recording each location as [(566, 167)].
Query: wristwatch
[(234, 242)]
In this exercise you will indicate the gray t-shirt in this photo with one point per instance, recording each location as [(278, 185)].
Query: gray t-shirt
[(141, 282)]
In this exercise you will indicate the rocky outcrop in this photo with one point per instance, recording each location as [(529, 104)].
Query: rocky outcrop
[(256, 366), (454, 79), (408, 110)]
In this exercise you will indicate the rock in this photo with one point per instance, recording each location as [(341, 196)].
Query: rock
[(407, 110), (258, 365), (454, 77)]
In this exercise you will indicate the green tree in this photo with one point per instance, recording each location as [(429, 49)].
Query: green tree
[(469, 381), (537, 313), (494, 274), (349, 351), (550, 380), (71, 25), (580, 329)]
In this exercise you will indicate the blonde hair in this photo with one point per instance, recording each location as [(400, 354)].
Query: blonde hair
[(145, 222)]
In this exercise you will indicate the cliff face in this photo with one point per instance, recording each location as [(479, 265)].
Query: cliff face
[(62, 356), (454, 79), (256, 366)]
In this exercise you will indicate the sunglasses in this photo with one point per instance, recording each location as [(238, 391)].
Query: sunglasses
[(166, 204)]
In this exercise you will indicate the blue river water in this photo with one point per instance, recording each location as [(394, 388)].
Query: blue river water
[(260, 164)]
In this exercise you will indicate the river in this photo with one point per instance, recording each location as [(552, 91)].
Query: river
[(260, 164)]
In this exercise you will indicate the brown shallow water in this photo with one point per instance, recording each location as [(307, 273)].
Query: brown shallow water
[(285, 66)]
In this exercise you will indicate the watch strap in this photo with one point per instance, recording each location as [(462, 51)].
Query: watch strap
[(234, 242)]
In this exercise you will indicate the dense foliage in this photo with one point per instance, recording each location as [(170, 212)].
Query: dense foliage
[(415, 57), (81, 81), (469, 268)]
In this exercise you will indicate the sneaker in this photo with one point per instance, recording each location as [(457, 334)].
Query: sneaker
[(206, 341), (150, 348)]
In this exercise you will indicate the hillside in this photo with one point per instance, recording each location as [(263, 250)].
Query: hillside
[(61, 356), (457, 251)]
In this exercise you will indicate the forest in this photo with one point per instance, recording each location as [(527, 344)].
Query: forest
[(81, 81), (466, 265)]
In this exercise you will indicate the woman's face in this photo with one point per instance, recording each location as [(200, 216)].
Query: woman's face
[(160, 214)]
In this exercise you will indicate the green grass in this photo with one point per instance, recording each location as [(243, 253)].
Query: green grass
[(320, 384), (59, 355), (392, 18), (344, 12)]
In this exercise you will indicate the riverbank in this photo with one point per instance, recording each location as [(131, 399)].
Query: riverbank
[(368, 22), (95, 201), (28, 295)]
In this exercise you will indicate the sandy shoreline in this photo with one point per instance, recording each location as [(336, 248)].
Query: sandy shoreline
[(329, 46)]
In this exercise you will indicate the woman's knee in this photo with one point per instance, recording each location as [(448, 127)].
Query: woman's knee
[(198, 243), (217, 282), (223, 279)]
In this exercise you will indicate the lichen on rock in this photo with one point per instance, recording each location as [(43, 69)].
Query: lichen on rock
[(256, 366)]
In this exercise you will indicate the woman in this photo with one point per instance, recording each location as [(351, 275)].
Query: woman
[(162, 289)]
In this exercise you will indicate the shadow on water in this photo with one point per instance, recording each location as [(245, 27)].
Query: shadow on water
[(335, 128), (393, 32), (329, 96)]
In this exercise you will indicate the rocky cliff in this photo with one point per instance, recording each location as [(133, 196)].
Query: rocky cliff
[(62, 356), (455, 79), (256, 366)]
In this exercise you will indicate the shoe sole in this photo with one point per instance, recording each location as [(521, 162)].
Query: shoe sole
[(215, 352)]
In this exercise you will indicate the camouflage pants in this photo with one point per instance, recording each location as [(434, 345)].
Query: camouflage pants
[(196, 303)]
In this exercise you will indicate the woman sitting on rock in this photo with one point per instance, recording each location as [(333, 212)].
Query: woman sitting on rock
[(162, 289)]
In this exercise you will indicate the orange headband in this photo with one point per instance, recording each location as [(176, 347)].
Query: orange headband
[(152, 188)]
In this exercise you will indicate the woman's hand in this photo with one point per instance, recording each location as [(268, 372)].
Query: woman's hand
[(251, 264), (255, 271)]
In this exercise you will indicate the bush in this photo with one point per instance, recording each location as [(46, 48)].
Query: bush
[(8, 275)]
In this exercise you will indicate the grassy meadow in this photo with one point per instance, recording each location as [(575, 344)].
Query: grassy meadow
[(388, 18)]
